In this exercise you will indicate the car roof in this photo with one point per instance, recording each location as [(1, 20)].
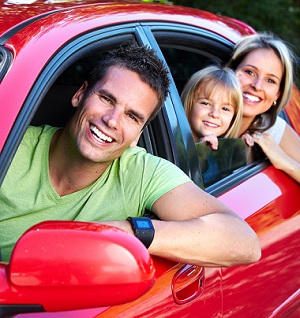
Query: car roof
[(16, 14)]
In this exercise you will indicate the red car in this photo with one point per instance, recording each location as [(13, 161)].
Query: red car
[(46, 50)]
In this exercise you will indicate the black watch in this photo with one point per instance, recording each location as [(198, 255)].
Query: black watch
[(143, 229)]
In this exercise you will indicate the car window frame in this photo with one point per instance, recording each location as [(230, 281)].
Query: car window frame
[(167, 133), (190, 36), (64, 57)]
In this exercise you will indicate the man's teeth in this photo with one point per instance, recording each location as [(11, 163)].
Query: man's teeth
[(251, 98), (99, 134)]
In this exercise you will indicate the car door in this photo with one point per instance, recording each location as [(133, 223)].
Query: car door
[(47, 102), (264, 196), (258, 192), (182, 289)]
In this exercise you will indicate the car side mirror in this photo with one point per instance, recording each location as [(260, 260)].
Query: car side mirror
[(69, 265)]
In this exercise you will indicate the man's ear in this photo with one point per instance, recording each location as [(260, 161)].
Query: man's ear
[(79, 94), (136, 140)]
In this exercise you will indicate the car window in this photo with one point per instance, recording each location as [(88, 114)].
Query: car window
[(55, 108), (188, 52), (232, 154), (5, 60), (185, 54)]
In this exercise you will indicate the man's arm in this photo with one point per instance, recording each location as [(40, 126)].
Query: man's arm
[(196, 228)]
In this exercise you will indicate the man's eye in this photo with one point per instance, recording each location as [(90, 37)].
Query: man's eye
[(132, 117), (104, 99)]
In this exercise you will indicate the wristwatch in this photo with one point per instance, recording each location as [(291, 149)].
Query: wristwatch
[(143, 229)]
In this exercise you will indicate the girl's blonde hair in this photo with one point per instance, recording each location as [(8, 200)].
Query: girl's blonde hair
[(211, 78), (265, 40)]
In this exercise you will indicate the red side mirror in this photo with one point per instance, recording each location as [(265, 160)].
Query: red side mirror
[(68, 265)]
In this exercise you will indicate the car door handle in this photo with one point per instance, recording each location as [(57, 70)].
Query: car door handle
[(187, 283)]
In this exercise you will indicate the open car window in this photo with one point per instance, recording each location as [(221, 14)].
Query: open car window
[(231, 155), (186, 53), (218, 164)]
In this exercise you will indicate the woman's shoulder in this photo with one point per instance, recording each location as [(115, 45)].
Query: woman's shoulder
[(277, 130)]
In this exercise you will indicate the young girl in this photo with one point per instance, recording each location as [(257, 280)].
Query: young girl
[(213, 102)]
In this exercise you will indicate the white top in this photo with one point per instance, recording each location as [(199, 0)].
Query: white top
[(277, 130)]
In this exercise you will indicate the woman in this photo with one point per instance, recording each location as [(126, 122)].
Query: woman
[(264, 67), (213, 103)]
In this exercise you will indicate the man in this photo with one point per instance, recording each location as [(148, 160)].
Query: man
[(92, 171)]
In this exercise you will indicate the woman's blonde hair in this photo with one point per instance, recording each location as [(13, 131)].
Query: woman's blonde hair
[(211, 78), (265, 40)]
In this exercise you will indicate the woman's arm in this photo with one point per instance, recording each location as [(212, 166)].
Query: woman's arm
[(284, 156)]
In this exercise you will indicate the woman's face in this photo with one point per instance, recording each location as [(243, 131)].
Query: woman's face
[(260, 74)]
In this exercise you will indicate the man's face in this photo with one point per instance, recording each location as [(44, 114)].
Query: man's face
[(110, 118)]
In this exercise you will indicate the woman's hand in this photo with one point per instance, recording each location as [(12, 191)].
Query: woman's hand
[(283, 156), (267, 143), (272, 150)]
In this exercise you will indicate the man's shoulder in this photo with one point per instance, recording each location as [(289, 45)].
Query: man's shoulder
[(135, 151), (38, 130), (33, 133), (140, 154), (138, 158)]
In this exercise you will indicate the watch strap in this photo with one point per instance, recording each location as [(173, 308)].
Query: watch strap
[(143, 229)]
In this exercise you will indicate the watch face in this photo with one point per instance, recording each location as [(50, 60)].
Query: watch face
[(143, 224)]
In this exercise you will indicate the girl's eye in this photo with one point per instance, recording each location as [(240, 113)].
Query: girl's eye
[(205, 103), (228, 109)]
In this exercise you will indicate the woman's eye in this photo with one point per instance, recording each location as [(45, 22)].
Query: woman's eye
[(249, 72), (270, 80)]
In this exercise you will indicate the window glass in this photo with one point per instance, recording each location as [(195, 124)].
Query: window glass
[(55, 109), (5, 61), (231, 155), (185, 55)]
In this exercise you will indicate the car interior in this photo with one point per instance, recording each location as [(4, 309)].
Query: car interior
[(55, 108)]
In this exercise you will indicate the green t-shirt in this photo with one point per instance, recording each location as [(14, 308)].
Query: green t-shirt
[(131, 184)]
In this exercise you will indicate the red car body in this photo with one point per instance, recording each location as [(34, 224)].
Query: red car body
[(266, 197)]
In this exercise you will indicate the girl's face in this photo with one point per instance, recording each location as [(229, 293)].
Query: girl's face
[(211, 114), (260, 74)]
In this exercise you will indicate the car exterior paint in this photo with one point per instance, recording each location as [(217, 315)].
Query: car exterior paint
[(265, 197)]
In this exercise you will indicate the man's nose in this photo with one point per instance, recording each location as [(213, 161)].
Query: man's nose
[(112, 118)]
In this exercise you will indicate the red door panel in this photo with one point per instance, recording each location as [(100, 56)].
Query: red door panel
[(268, 286)]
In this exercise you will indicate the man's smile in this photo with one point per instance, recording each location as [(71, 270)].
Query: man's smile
[(99, 135)]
